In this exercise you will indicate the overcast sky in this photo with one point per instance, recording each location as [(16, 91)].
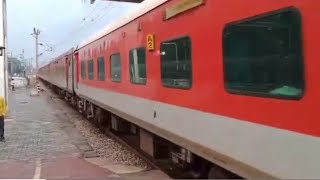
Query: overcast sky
[(63, 23)]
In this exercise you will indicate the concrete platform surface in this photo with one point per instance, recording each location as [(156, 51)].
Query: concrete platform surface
[(41, 144), (128, 172)]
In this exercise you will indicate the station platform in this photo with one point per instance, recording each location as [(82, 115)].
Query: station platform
[(42, 145)]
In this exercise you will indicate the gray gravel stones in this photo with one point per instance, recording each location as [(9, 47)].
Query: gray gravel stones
[(103, 145)]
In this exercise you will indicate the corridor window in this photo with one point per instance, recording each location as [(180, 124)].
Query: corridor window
[(263, 56), (176, 66), (101, 69), (91, 69), (115, 67), (83, 70), (138, 66)]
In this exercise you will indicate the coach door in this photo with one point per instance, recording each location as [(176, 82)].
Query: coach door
[(67, 72), (77, 64)]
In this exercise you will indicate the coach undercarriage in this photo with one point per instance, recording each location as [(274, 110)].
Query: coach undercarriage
[(175, 160), (171, 157)]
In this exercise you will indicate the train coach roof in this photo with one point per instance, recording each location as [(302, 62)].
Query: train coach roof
[(58, 57), (142, 9), (62, 55)]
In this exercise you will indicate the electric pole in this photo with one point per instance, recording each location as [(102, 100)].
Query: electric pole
[(36, 33), (22, 55)]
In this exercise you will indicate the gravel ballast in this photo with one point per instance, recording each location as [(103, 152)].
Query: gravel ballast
[(103, 145)]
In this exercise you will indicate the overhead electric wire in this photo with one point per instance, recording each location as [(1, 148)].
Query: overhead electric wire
[(84, 26)]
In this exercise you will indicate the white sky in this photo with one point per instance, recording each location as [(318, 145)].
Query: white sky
[(61, 22)]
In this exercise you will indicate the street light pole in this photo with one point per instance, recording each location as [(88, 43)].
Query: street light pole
[(31, 66), (36, 33)]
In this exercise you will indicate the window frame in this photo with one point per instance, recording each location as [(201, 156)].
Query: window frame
[(191, 62), (301, 47), (111, 77), (83, 70), (104, 69), (88, 66), (145, 51)]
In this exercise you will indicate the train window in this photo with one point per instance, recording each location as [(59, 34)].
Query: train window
[(137, 67), (115, 67), (176, 66), (263, 56), (91, 69), (101, 69), (83, 70)]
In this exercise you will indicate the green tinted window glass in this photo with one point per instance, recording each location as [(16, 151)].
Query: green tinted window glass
[(83, 70), (91, 69), (176, 66), (101, 69), (138, 70), (263, 56), (115, 67)]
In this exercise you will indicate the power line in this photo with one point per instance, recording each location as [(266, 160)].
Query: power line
[(77, 28), (84, 25), (111, 7), (98, 19), (90, 23), (92, 11)]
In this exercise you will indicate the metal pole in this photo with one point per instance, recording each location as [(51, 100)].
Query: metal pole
[(37, 49), (36, 33), (4, 16), (31, 66)]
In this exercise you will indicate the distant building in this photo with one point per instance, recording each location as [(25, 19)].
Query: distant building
[(14, 66)]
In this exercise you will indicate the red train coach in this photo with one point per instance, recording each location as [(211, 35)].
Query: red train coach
[(233, 83), (59, 72)]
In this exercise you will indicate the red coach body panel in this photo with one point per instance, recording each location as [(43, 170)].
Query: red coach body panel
[(249, 135), (204, 25), (58, 71)]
